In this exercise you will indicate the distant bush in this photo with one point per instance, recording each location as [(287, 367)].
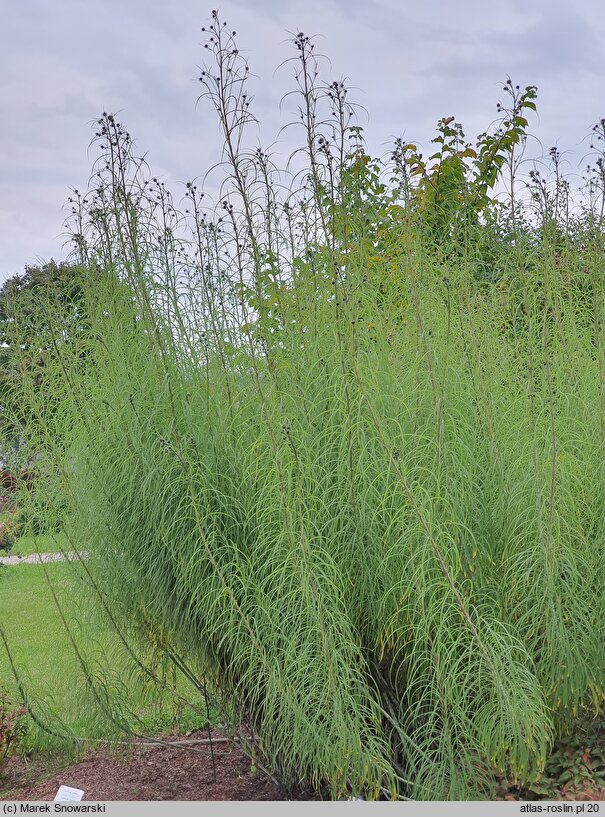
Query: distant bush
[(13, 726), (9, 482), (10, 530)]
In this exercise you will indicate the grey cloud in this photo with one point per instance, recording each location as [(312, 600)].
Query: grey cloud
[(561, 41), (67, 61)]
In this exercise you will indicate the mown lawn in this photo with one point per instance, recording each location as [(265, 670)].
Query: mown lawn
[(46, 660), (44, 543), (32, 625), (37, 639)]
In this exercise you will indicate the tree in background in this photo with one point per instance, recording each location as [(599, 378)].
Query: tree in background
[(48, 300)]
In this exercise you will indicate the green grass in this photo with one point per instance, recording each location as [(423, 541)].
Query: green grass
[(44, 543), (48, 667), (33, 627)]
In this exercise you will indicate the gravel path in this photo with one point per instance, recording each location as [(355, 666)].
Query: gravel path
[(38, 558)]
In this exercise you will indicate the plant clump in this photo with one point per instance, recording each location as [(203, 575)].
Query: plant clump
[(335, 447)]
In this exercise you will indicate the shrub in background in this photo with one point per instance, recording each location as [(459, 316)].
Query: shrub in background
[(13, 726)]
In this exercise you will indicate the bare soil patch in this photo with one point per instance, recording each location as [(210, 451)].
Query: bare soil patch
[(144, 773), (177, 773)]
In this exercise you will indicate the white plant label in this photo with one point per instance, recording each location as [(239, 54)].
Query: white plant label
[(67, 793)]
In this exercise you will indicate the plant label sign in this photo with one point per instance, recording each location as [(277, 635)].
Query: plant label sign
[(67, 793)]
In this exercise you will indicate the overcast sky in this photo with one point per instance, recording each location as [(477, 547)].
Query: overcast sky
[(66, 61)]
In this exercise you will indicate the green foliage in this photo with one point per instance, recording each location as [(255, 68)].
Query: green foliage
[(575, 768), (338, 457), (497, 151), (443, 193), (32, 293), (451, 190), (13, 726), (65, 715), (11, 528), (47, 301), (26, 544)]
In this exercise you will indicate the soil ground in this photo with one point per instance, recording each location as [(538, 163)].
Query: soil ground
[(168, 773), (144, 773)]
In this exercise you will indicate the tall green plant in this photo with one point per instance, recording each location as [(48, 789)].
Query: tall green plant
[(349, 492)]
